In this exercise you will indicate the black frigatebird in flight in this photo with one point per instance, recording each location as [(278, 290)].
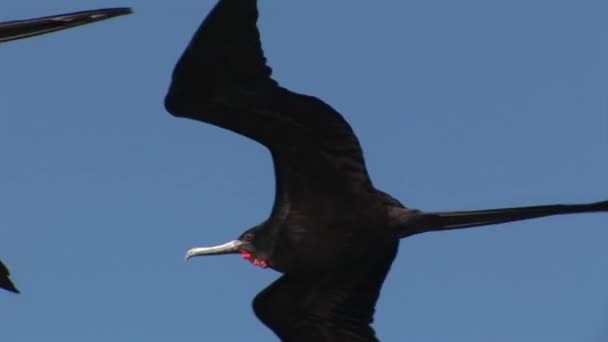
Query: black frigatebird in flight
[(12, 30), (19, 29), (331, 233)]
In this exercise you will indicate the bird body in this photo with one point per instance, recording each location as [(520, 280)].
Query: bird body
[(331, 233)]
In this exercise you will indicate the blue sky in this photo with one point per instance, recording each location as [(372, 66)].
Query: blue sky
[(458, 105)]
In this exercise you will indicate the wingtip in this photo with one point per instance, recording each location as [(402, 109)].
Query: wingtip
[(8, 285), (91, 16), (114, 12), (12, 290)]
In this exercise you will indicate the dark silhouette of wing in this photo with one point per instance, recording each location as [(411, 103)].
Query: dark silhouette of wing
[(329, 306), (18, 29), (407, 222), (222, 79), (5, 281)]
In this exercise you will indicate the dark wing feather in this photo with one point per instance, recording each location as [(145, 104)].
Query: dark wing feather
[(222, 79), (332, 306), (18, 29), (5, 280)]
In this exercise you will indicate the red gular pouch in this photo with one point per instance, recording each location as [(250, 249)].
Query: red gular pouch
[(257, 262)]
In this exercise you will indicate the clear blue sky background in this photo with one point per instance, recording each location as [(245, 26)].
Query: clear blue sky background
[(458, 104)]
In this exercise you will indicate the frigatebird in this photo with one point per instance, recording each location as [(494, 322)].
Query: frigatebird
[(19, 29), (331, 233), (12, 30)]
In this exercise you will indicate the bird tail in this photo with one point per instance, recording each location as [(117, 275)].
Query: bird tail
[(436, 221)]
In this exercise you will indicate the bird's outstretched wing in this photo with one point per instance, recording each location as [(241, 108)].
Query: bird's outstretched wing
[(18, 29), (222, 78), (329, 306), (5, 280)]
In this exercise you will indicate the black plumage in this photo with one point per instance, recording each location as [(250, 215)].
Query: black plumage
[(18, 29), (5, 280), (331, 233)]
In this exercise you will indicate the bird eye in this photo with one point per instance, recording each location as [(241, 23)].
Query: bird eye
[(248, 236)]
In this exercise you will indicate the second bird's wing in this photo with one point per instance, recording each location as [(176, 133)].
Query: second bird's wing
[(18, 29), (5, 280)]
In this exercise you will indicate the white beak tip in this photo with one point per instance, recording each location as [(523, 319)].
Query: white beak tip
[(189, 254)]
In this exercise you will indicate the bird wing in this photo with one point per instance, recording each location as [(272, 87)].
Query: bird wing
[(5, 280), (12, 30), (335, 305), (222, 79)]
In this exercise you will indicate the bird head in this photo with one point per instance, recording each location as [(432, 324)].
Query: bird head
[(249, 245)]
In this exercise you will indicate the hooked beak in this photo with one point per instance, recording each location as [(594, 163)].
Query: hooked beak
[(18, 29), (234, 246)]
